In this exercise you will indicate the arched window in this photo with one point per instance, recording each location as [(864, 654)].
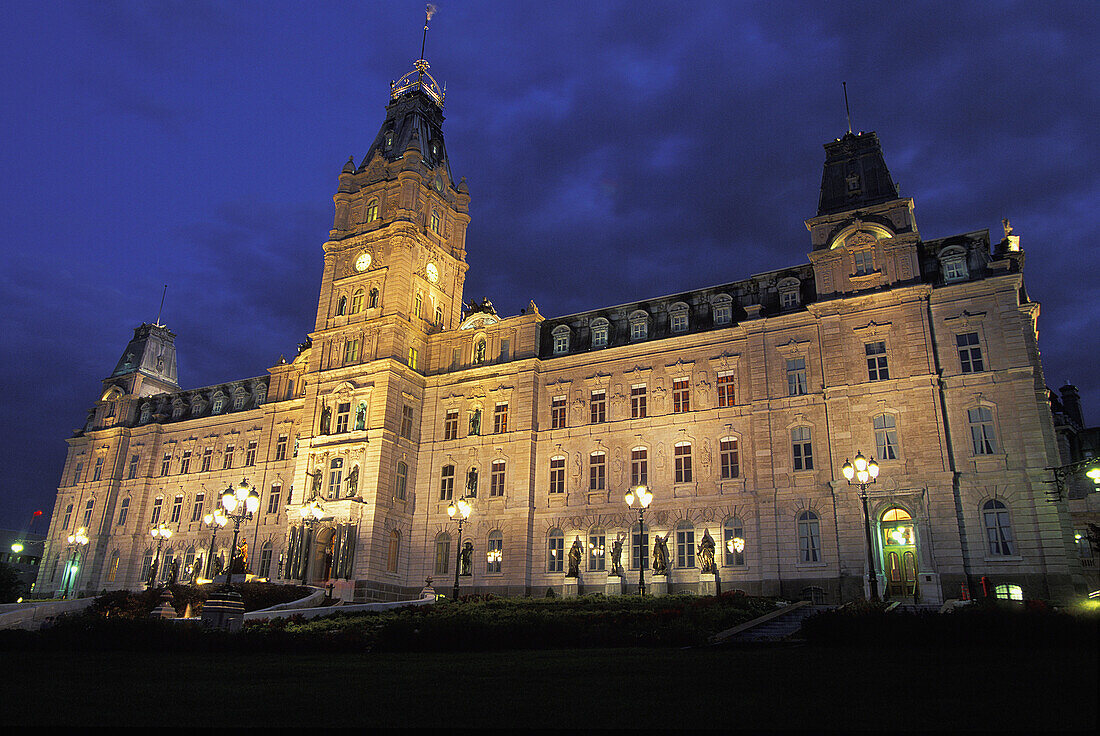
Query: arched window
[(886, 436), (555, 553), (112, 567), (597, 541), (188, 562), (356, 302), (442, 553), (123, 510), (393, 551), (809, 537), (372, 210), (146, 563), (1009, 592), (733, 541), (639, 325), (789, 296), (678, 317), (266, 553), (998, 529), (342, 306), (439, 317), (953, 264), (494, 551), (600, 332), (685, 544), (722, 308), (372, 299), (560, 335)]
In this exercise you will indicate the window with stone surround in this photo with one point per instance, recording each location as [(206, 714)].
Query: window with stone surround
[(682, 455), (998, 529), (197, 506), (722, 306), (733, 542), (600, 332), (494, 552), (597, 543), (208, 457), (447, 483), (154, 519), (982, 436), (496, 478), (177, 510), (802, 451), (250, 453), (560, 335), (598, 406), (407, 421), (681, 396), (442, 553), (335, 477), (886, 436), (401, 481), (796, 377), (597, 471), (557, 412), (724, 386), (555, 551), (970, 352), (877, 368), (123, 511), (729, 458), (450, 425), (638, 401), (557, 474), (685, 544), (809, 537), (500, 418), (639, 467)]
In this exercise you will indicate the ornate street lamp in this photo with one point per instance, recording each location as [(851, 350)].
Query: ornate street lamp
[(311, 512), (160, 532), (462, 510), (77, 541), (861, 474), (240, 503), (213, 521), (643, 497), (736, 545)]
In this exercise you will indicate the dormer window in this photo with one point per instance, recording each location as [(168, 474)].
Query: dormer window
[(372, 210), (196, 408), (146, 413), (219, 404), (639, 325), (561, 339), (953, 264), (678, 317), (600, 330), (723, 309), (238, 400), (789, 293), (261, 394), (177, 411)]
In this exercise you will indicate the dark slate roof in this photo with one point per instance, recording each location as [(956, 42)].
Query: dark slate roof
[(413, 120), (855, 174)]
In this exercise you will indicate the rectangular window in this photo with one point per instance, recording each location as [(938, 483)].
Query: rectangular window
[(733, 536), (351, 351), (683, 462), (123, 511), (638, 402), (596, 551), (599, 340), (639, 550), (723, 314), (227, 459), (280, 447), (597, 471), (788, 298), (165, 464), (557, 475), (970, 353), (598, 405), (442, 555), (496, 478), (450, 425), (177, 510), (207, 457), (680, 322), (877, 369), (97, 471), (504, 348), (273, 499), (76, 473), (196, 508), (494, 552), (681, 396), (131, 471), (185, 462), (402, 481), (335, 477), (250, 454), (685, 548), (724, 386), (981, 431), (557, 412), (407, 422), (447, 483), (886, 436), (796, 377), (731, 461), (500, 419), (864, 262), (155, 518), (555, 554), (88, 512), (343, 417), (414, 358), (802, 448), (639, 467)]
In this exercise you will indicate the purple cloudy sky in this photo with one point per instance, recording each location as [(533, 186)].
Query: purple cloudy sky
[(614, 151)]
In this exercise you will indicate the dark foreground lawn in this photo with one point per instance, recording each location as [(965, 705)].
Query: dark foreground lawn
[(891, 688)]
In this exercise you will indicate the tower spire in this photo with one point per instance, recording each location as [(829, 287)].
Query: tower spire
[(162, 295), (847, 112), (420, 68)]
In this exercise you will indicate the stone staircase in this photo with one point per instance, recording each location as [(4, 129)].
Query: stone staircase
[(777, 626)]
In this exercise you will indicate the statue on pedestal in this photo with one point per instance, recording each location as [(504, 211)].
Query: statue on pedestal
[(151, 579), (660, 554), (705, 554), (326, 420), (174, 571), (617, 555), (352, 482), (575, 553), (361, 416), (466, 558)]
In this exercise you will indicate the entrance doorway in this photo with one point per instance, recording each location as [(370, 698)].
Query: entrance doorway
[(321, 566), (899, 553)]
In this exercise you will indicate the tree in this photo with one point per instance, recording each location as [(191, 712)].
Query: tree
[(11, 587)]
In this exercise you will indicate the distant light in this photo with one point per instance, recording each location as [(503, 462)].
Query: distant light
[(18, 547)]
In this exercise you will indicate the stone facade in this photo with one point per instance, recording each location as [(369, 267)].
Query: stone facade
[(736, 404)]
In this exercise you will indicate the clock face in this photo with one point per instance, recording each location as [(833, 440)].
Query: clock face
[(433, 273), (362, 263)]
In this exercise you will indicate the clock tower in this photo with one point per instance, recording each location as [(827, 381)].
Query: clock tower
[(394, 267)]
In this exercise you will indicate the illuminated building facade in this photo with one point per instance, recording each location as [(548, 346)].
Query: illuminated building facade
[(736, 404)]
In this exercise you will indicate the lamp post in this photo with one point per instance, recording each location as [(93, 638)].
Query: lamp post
[(240, 503), (311, 512), (77, 541), (160, 532), (864, 472), (642, 495), (213, 521), (462, 510)]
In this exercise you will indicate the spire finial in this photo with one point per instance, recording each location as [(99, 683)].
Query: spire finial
[(420, 69), (847, 113), (162, 295)]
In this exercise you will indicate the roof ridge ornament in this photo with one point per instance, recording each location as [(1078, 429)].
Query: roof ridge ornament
[(408, 84)]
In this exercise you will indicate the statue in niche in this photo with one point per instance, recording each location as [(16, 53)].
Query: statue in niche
[(617, 555), (466, 558), (575, 553), (705, 553), (316, 475), (475, 422), (479, 352), (361, 416), (471, 483), (174, 571), (295, 446), (660, 554), (352, 481), (326, 419)]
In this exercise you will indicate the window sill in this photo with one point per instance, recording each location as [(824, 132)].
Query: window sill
[(810, 565), (1004, 558)]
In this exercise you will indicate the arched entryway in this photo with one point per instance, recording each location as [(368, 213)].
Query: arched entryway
[(898, 538), (320, 564)]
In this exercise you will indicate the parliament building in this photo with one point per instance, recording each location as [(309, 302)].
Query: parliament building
[(736, 404)]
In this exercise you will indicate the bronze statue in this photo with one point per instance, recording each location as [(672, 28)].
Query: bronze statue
[(151, 579), (475, 422), (316, 475), (361, 416), (705, 554), (660, 554), (466, 558), (326, 420), (617, 555), (174, 571), (352, 482), (471, 483), (575, 553)]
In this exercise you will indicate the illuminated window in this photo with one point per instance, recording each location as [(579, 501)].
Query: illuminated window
[(372, 210), (496, 478), (597, 471), (450, 425), (351, 351), (197, 507), (600, 331), (442, 553), (682, 455), (1009, 592), (447, 483), (356, 302), (393, 551), (494, 552), (598, 406), (500, 419), (400, 489), (112, 567), (982, 436), (557, 412), (685, 545), (639, 467), (638, 401), (733, 538), (877, 369), (802, 450), (809, 537), (557, 474), (796, 377), (414, 358), (725, 388), (335, 477), (998, 529), (730, 459), (597, 548), (886, 436), (555, 552), (123, 511), (681, 396)]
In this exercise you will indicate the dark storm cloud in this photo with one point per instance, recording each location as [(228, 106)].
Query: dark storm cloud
[(614, 151)]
